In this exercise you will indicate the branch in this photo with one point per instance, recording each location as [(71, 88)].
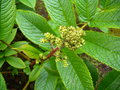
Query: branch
[(26, 57)]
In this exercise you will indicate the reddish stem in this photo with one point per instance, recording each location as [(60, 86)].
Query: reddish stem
[(52, 53)]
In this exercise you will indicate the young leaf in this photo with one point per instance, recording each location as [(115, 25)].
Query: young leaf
[(61, 11), (8, 39), (2, 83), (7, 17), (109, 4), (15, 62), (111, 81), (9, 51), (45, 81), (30, 3), (35, 73), (33, 26), (30, 51), (2, 60), (104, 48), (76, 75), (109, 19), (86, 8)]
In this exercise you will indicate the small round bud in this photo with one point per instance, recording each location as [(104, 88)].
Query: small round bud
[(65, 63), (57, 59)]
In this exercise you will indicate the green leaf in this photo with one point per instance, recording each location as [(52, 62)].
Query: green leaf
[(30, 51), (93, 71), (45, 81), (30, 3), (7, 17), (86, 8), (111, 81), (109, 4), (8, 39), (2, 60), (60, 85), (105, 30), (15, 62), (9, 51), (2, 83), (109, 19), (76, 75), (33, 26), (1, 54), (50, 66), (61, 12), (35, 73), (104, 48)]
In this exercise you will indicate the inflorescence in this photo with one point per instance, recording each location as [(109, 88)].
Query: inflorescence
[(70, 37)]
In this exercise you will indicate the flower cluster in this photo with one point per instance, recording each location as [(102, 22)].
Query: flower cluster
[(52, 39), (70, 37)]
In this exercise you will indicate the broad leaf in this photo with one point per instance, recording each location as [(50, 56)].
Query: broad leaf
[(110, 19), (104, 48), (45, 81), (30, 3), (86, 8), (60, 85), (76, 75), (93, 71), (35, 73), (30, 51), (111, 81), (109, 4), (2, 83), (2, 60), (8, 39), (7, 17), (9, 51), (33, 26), (15, 62), (61, 11), (1, 54)]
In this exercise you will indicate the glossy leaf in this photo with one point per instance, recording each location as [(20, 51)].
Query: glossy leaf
[(86, 8), (60, 85), (109, 19), (30, 51), (35, 73), (111, 81), (45, 81), (109, 4), (30, 3), (2, 60), (1, 54), (104, 48), (2, 83), (7, 17), (93, 71), (76, 75), (33, 26), (61, 12), (8, 39), (15, 62), (9, 51)]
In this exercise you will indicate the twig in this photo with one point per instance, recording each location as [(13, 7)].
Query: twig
[(8, 72), (26, 85), (26, 57), (84, 25), (52, 53)]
